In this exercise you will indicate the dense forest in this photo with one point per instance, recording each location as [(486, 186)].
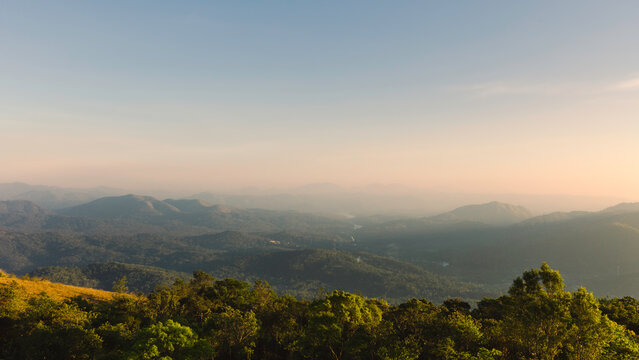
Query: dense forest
[(204, 318)]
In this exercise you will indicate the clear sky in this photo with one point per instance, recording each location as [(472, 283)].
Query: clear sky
[(474, 96)]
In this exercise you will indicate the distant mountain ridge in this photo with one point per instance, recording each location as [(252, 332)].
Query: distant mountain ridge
[(25, 216), (126, 206), (202, 217), (51, 197), (488, 243), (623, 207), (21, 207), (596, 249), (469, 217), (189, 205), (493, 213)]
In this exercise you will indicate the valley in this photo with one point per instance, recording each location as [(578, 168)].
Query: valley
[(470, 252)]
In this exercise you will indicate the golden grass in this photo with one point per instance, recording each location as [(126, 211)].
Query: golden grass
[(58, 291)]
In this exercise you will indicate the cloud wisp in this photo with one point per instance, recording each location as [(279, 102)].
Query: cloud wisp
[(506, 88), (631, 84)]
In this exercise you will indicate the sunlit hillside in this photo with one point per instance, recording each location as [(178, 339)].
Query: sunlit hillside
[(57, 291)]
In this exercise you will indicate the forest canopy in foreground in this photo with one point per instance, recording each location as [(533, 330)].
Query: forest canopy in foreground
[(229, 319)]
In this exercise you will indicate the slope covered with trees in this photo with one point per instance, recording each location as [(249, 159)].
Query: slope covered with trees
[(136, 278), (184, 214), (228, 319), (305, 273), (597, 250)]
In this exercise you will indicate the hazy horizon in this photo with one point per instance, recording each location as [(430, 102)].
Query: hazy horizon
[(328, 198), (470, 98)]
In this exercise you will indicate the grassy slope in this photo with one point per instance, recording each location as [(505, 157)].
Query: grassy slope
[(55, 290)]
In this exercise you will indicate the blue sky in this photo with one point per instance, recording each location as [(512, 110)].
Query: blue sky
[(468, 95)]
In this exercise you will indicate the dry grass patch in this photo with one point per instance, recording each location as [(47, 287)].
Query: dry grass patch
[(58, 291)]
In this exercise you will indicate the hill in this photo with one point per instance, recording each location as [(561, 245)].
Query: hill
[(139, 278), (25, 252), (35, 287), (26, 216), (189, 205), (235, 241), (623, 208), (308, 272), (133, 214), (20, 252), (123, 207), (468, 218), (555, 217), (192, 216), (51, 197), (79, 259), (596, 249), (492, 213)]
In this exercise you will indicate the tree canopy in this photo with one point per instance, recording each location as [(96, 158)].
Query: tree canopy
[(205, 318)]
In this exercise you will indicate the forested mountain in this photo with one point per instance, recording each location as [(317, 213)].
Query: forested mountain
[(622, 208), (307, 272), (71, 259), (134, 207), (132, 214), (22, 213), (136, 278), (596, 249), (468, 217), (493, 213), (51, 197), (198, 216), (476, 244), (277, 257), (25, 252), (25, 216)]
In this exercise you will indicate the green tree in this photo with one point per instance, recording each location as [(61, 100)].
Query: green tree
[(281, 324), (589, 331), (622, 344), (120, 285), (624, 311), (234, 332), (340, 326), (13, 300), (55, 330), (536, 315), (169, 341)]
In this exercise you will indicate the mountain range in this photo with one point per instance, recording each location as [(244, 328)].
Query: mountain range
[(323, 198), (144, 214), (467, 250), (598, 249)]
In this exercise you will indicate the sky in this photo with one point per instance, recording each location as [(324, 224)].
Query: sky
[(472, 96)]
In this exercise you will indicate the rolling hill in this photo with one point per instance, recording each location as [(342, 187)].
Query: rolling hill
[(597, 249), (492, 213), (139, 278), (25, 216), (195, 216), (307, 272), (132, 207), (51, 197), (57, 291), (485, 244)]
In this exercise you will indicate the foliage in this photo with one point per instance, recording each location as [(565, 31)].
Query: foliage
[(169, 341), (205, 318)]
